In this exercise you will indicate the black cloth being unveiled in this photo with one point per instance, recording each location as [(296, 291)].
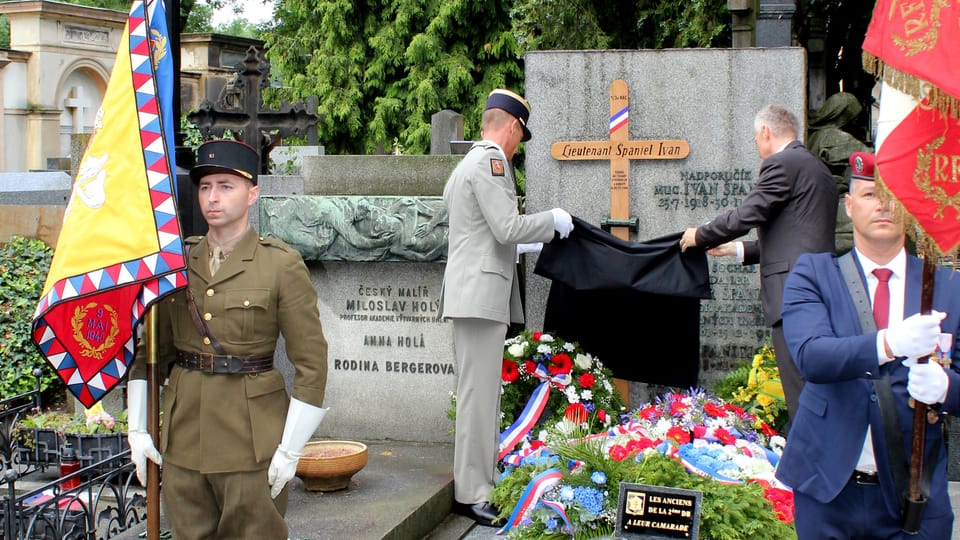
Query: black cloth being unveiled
[(633, 305)]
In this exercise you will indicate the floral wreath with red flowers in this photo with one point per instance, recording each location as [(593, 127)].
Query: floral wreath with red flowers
[(582, 395)]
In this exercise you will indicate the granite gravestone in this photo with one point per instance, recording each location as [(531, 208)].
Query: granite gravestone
[(354, 219), (705, 97)]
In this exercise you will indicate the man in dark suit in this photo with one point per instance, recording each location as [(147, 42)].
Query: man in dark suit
[(793, 206), (845, 476)]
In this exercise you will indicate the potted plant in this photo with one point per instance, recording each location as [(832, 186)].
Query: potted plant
[(95, 436)]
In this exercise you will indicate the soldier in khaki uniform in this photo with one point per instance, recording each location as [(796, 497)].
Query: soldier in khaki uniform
[(231, 437)]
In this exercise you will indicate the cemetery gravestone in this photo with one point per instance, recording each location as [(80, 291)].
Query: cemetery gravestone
[(705, 97)]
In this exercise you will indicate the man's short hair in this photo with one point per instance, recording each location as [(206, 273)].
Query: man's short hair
[(781, 122), (495, 118)]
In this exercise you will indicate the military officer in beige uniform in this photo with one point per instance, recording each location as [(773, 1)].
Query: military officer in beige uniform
[(231, 437), (480, 291)]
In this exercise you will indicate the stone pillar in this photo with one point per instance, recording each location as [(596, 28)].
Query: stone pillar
[(743, 14), (42, 137), (445, 126), (775, 23)]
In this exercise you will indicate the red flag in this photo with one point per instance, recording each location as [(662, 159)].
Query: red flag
[(916, 41), (919, 162), (119, 248)]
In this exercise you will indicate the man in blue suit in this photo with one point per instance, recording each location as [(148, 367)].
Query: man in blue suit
[(837, 458)]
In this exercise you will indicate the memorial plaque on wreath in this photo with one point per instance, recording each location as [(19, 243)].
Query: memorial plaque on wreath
[(654, 512)]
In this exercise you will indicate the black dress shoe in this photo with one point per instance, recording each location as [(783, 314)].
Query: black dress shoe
[(483, 513)]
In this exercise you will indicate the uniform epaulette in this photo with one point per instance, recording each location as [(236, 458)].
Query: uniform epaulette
[(274, 242)]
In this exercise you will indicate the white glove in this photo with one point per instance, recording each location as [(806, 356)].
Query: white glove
[(562, 222), (302, 421), (928, 382), (139, 440), (916, 336), (535, 247)]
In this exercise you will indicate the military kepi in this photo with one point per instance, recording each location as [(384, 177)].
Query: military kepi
[(861, 165), (226, 156), (514, 104)]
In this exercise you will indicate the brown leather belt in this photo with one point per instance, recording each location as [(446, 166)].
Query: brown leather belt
[(224, 363)]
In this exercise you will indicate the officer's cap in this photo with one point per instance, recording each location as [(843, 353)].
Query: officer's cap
[(514, 104), (226, 156), (862, 165)]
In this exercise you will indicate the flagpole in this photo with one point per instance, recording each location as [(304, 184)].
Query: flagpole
[(153, 425), (920, 409)]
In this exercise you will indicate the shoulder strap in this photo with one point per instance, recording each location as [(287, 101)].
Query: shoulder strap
[(198, 321)]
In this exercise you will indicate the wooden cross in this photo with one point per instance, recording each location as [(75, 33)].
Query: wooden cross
[(620, 150)]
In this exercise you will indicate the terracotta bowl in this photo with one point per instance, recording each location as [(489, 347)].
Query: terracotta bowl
[(329, 465)]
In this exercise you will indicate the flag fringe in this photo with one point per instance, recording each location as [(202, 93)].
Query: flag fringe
[(912, 85), (925, 245)]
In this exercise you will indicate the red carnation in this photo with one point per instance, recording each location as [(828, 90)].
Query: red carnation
[(601, 415), (767, 430), (699, 431), (586, 380), (576, 412), (619, 453), (714, 410), (724, 436), (736, 410), (649, 412), (529, 366), (536, 445), (509, 372), (536, 336), (677, 408), (678, 435), (560, 364)]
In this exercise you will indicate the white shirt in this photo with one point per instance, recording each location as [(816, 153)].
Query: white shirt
[(897, 285)]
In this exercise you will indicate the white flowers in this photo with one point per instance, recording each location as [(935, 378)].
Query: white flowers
[(583, 361), (517, 349), (543, 348), (572, 395)]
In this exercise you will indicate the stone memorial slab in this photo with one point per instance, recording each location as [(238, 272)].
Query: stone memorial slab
[(707, 98), (35, 188), (390, 358)]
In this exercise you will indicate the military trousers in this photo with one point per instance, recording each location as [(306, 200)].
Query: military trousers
[(222, 506)]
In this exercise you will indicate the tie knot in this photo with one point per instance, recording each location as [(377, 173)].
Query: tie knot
[(883, 274)]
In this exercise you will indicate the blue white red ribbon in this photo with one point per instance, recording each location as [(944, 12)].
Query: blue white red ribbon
[(531, 495), (532, 411), (619, 120), (557, 507)]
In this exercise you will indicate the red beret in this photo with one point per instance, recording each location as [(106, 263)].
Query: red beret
[(861, 165)]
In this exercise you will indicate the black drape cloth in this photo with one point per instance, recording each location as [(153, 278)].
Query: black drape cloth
[(633, 305)]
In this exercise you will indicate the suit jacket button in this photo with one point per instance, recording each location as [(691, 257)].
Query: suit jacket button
[(207, 316), (246, 303), (209, 292), (206, 341), (873, 397)]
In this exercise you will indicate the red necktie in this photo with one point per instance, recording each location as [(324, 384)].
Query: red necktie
[(881, 298)]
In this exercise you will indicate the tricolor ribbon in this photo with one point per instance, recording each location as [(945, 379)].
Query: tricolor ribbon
[(532, 411), (530, 496), (557, 507), (619, 119)]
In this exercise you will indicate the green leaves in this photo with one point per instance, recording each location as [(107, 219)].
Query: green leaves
[(24, 263)]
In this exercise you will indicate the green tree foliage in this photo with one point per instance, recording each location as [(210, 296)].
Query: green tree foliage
[(24, 263), (380, 69)]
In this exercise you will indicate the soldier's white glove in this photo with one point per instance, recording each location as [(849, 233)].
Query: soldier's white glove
[(535, 247), (562, 222), (139, 440), (916, 336), (302, 421), (928, 382)]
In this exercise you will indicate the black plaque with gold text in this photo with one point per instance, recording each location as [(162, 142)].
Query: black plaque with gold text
[(653, 512)]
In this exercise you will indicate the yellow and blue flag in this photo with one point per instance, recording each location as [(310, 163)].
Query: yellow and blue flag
[(119, 249)]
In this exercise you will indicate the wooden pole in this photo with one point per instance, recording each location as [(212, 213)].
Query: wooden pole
[(153, 425), (920, 409)]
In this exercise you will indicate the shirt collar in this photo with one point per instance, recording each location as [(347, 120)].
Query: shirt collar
[(898, 264)]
